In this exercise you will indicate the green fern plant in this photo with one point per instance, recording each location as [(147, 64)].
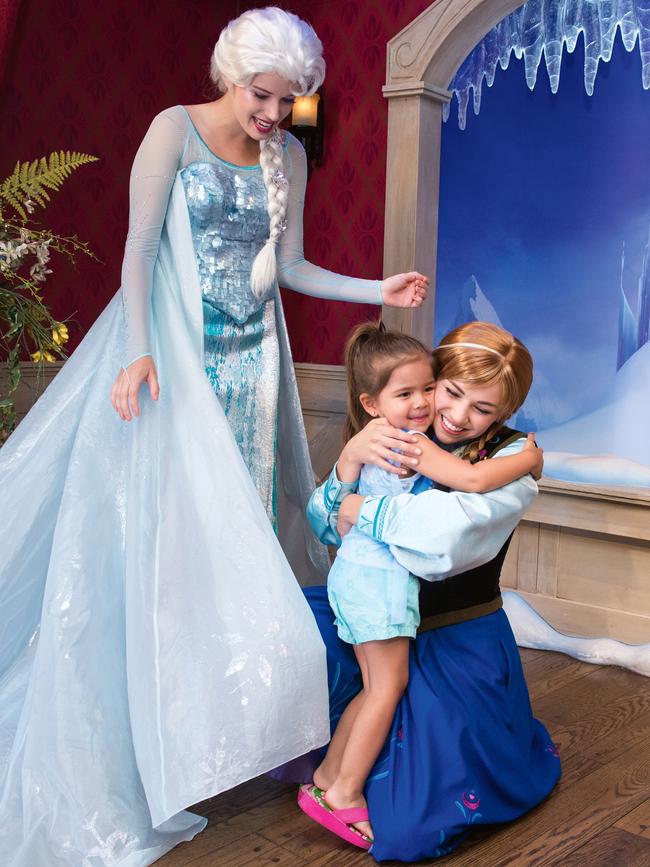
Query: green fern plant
[(27, 327), (29, 182)]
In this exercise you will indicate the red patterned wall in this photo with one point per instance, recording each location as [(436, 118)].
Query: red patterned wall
[(90, 75)]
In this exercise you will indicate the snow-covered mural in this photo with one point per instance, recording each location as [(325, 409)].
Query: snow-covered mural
[(545, 223)]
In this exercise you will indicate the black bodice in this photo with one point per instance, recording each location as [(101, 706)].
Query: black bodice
[(476, 586)]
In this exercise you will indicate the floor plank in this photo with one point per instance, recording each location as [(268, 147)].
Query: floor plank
[(612, 848), (638, 821), (551, 672)]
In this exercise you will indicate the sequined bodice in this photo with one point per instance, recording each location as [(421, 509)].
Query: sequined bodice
[(229, 221)]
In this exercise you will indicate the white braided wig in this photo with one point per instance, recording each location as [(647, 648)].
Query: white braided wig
[(269, 40)]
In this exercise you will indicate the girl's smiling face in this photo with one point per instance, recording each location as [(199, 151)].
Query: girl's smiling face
[(263, 104), (464, 411), (406, 401)]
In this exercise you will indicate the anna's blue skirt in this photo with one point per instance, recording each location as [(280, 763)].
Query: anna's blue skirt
[(464, 749)]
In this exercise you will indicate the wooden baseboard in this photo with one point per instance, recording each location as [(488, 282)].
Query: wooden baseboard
[(33, 382)]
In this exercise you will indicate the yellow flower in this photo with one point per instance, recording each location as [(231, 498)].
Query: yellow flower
[(60, 334), (42, 356)]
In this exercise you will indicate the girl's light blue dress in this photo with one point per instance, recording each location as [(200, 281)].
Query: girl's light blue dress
[(374, 597), (155, 646)]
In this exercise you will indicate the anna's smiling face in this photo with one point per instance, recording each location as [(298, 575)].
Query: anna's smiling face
[(464, 411)]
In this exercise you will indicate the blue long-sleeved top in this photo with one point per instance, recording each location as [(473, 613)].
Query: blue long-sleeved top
[(434, 534)]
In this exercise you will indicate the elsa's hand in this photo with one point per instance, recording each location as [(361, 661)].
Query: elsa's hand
[(124, 394), (404, 290), (374, 445)]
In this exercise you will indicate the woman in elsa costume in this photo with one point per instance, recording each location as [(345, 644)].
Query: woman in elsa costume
[(155, 647)]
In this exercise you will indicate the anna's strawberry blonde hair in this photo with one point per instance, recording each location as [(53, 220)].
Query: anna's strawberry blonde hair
[(371, 355), (482, 354)]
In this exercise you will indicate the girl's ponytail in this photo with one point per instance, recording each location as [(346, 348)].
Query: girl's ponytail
[(371, 355)]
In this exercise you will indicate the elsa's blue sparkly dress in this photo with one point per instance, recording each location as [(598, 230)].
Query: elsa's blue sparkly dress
[(155, 647)]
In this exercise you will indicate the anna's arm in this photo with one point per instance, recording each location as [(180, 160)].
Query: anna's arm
[(454, 472)]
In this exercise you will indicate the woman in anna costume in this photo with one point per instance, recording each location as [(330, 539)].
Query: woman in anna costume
[(464, 748)]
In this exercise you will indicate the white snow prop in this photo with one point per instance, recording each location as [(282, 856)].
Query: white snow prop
[(606, 470), (533, 631)]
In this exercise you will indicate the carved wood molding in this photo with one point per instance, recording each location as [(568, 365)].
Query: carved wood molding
[(432, 47)]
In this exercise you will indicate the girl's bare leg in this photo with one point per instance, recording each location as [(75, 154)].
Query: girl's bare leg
[(328, 770), (386, 664)]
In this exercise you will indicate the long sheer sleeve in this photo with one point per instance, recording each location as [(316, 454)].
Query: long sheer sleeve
[(152, 177), (294, 271)]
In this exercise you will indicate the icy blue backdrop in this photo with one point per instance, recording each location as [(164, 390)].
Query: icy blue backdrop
[(545, 219)]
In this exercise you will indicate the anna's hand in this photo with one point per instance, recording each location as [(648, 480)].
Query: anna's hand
[(124, 394), (537, 457), (374, 445), (404, 290), (348, 514)]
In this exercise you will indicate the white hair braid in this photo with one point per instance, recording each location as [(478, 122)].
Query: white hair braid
[(264, 271)]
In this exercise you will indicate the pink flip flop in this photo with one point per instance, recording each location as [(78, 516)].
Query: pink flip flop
[(339, 822)]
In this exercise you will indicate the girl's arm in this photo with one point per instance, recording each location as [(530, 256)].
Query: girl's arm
[(454, 472), (375, 444)]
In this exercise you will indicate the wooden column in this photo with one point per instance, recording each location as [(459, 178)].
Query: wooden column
[(412, 191)]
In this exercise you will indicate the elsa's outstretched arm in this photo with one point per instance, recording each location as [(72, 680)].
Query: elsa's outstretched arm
[(295, 272), (152, 177)]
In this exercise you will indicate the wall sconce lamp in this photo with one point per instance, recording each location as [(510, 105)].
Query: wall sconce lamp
[(307, 126)]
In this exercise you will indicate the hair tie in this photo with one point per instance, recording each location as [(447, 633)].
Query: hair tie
[(280, 179), (469, 346)]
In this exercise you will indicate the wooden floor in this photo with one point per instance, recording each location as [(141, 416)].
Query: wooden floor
[(598, 816)]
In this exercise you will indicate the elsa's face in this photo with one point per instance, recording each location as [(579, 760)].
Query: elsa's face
[(263, 104), (464, 411)]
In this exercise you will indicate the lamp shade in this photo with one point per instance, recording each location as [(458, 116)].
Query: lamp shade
[(305, 110)]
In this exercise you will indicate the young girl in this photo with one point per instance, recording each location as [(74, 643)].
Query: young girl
[(374, 598)]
